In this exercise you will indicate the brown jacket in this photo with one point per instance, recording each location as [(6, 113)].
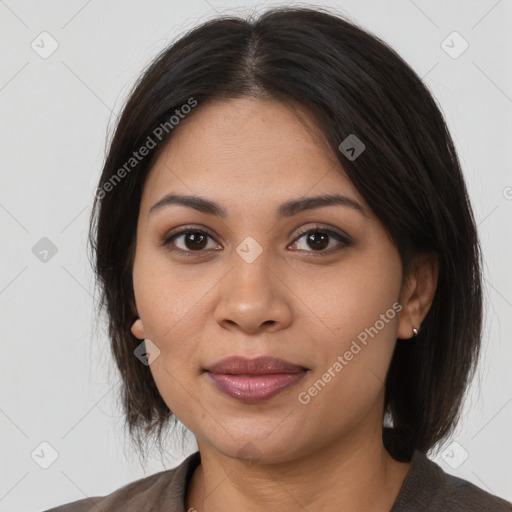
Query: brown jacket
[(427, 488)]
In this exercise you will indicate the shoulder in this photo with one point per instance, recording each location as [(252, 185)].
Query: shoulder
[(428, 488), (150, 493), (459, 492)]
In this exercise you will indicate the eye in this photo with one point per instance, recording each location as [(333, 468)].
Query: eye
[(188, 240), (320, 240)]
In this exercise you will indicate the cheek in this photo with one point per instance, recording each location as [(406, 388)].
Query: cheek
[(167, 296), (176, 329), (172, 305), (353, 297), (355, 317), (173, 383)]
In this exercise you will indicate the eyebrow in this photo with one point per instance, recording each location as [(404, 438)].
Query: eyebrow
[(287, 209)]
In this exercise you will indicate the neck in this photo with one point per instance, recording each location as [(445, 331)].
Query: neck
[(357, 472)]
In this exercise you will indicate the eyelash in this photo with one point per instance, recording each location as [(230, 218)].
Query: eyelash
[(345, 242)]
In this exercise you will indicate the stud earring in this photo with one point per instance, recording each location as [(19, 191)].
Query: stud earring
[(415, 332)]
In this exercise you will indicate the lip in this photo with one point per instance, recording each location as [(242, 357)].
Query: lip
[(264, 365), (254, 380)]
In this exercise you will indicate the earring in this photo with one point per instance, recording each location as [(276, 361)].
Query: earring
[(415, 332)]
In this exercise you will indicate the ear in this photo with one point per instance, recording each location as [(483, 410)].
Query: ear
[(417, 294), (138, 329)]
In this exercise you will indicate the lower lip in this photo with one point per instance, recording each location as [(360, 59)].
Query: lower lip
[(255, 388)]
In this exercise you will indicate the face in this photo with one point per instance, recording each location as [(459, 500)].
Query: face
[(317, 287)]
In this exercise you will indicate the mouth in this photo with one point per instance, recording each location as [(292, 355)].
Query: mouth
[(254, 380)]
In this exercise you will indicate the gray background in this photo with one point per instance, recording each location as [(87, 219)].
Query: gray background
[(58, 381)]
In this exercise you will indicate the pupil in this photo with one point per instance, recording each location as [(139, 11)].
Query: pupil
[(197, 240), (318, 240)]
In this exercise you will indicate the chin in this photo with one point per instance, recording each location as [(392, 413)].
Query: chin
[(254, 448)]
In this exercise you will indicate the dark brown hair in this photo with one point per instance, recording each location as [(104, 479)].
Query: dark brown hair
[(409, 174)]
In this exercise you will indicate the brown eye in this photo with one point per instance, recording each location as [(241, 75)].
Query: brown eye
[(187, 241), (195, 240), (318, 240)]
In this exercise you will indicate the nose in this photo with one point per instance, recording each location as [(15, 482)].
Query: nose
[(252, 298)]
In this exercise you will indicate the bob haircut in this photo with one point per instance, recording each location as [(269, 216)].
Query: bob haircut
[(350, 82)]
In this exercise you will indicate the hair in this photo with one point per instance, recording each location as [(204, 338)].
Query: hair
[(350, 82)]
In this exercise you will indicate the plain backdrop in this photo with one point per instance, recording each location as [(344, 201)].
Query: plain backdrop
[(58, 403)]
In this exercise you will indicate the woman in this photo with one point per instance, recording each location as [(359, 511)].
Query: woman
[(290, 267)]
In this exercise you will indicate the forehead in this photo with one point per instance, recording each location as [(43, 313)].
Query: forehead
[(247, 150)]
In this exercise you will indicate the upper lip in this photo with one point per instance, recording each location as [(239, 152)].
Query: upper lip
[(238, 365)]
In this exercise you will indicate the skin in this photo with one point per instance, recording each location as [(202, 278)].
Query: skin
[(294, 302)]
